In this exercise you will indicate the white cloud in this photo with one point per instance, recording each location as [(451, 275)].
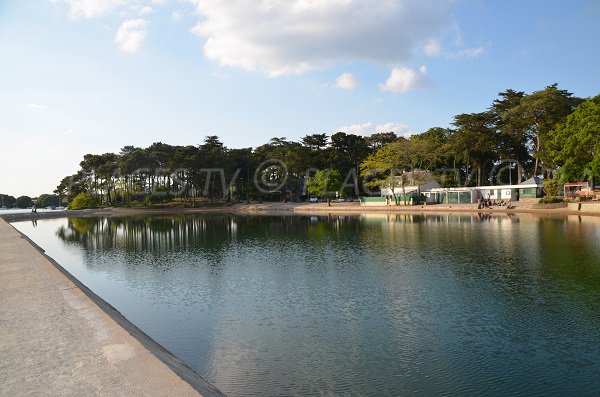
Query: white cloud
[(346, 81), (432, 48), (131, 34), (146, 10), (453, 49), (406, 79), (368, 129), (37, 106), (90, 8), (466, 53), (293, 36), (97, 8)]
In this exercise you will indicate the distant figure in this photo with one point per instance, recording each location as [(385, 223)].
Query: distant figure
[(34, 209)]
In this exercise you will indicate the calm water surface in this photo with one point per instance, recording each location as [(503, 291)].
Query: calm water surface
[(367, 306)]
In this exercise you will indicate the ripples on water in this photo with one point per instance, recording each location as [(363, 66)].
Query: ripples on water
[(383, 305)]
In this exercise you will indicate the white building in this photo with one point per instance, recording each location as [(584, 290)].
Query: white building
[(529, 190)]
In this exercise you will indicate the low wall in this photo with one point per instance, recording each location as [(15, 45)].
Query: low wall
[(529, 200), (552, 206), (374, 203), (589, 207)]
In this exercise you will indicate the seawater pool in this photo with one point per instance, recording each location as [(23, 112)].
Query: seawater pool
[(379, 305)]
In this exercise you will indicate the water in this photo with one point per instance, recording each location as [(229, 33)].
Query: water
[(366, 306), (5, 211)]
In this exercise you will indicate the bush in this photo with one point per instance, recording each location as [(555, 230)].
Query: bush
[(47, 200), (82, 201), (157, 197), (551, 187), (550, 200)]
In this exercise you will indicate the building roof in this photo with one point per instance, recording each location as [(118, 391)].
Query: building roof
[(533, 181)]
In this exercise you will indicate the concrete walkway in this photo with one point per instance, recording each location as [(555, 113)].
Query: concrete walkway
[(56, 341)]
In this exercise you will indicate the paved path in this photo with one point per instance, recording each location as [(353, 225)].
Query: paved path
[(55, 341)]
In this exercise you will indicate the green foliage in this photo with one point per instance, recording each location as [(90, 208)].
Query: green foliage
[(47, 200), (550, 200), (324, 183), (536, 115), (161, 195), (24, 202), (575, 143), (385, 168), (474, 141), (82, 201), (518, 128), (380, 139), (551, 187), (315, 141), (7, 201)]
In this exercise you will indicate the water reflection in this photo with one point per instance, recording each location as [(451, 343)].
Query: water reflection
[(383, 304)]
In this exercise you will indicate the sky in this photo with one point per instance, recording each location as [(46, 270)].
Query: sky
[(92, 76)]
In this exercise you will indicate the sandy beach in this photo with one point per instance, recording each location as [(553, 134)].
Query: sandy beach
[(349, 208)]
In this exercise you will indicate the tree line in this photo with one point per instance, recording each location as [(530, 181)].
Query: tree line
[(275, 170), (548, 133), (44, 200)]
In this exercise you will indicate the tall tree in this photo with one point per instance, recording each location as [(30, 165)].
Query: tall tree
[(348, 151), (7, 201), (430, 148), (315, 141), (475, 140), (575, 144), (511, 132), (386, 167), (325, 183), (380, 139), (536, 115), (24, 202)]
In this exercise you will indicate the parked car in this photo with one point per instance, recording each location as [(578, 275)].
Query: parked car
[(313, 199)]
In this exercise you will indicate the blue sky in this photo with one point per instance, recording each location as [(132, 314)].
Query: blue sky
[(91, 76)]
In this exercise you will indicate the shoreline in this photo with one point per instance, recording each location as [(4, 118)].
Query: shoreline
[(350, 208)]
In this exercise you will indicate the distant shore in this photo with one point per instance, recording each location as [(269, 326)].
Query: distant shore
[(349, 208)]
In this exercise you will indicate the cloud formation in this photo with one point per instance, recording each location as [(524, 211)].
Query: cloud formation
[(466, 53), (406, 79), (292, 36), (346, 81), (432, 48), (90, 8), (368, 129), (131, 35), (143, 10)]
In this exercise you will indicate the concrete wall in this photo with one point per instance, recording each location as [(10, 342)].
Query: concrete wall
[(588, 206)]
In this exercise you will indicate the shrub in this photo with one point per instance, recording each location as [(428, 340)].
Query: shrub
[(157, 197), (551, 187), (550, 200), (82, 201)]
